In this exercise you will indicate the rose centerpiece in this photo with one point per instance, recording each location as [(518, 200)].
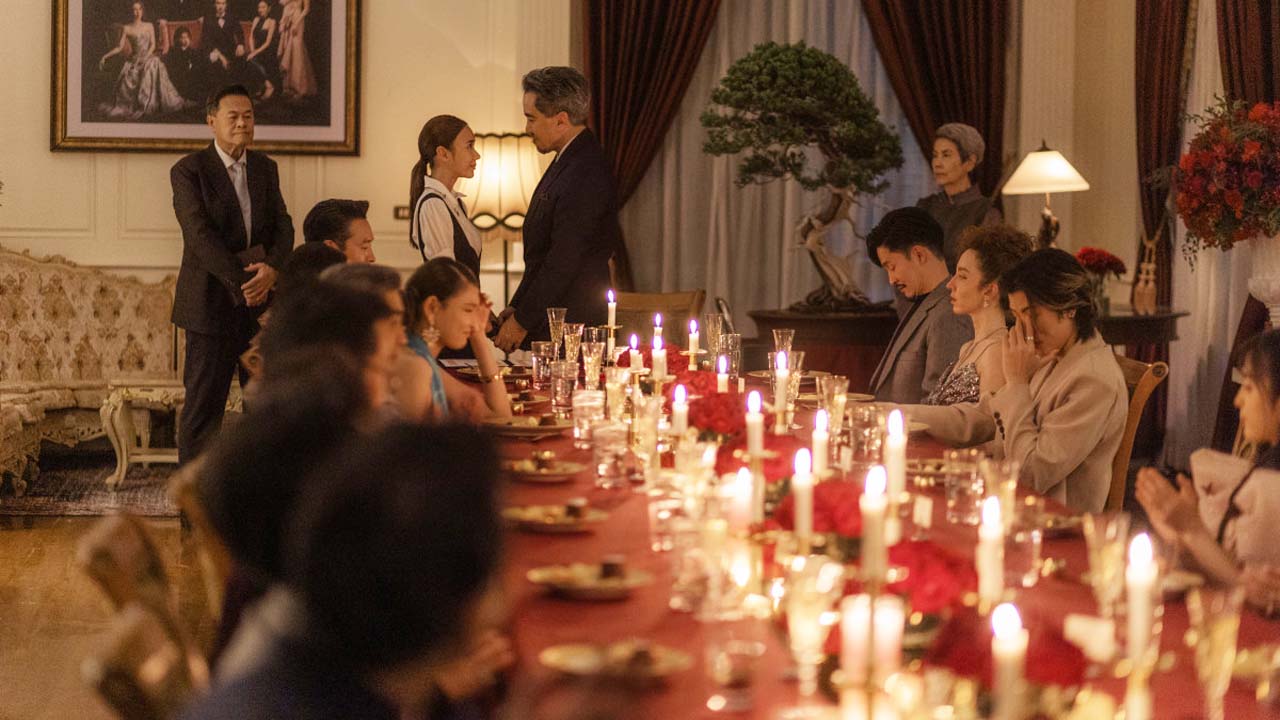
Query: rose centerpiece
[(1099, 264)]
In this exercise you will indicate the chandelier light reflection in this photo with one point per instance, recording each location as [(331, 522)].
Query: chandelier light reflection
[(506, 175)]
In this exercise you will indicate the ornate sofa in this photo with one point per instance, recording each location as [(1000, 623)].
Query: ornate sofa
[(65, 333)]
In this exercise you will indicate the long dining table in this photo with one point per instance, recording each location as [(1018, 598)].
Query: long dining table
[(542, 620)]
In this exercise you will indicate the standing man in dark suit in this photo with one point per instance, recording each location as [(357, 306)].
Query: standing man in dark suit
[(223, 46), (571, 228), (236, 235)]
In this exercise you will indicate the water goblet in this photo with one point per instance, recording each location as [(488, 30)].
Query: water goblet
[(588, 408), (592, 356), (731, 347), (712, 325), (543, 352), (609, 443), (814, 583), (964, 486), (616, 383), (564, 376), (1215, 623), (1106, 536), (555, 324)]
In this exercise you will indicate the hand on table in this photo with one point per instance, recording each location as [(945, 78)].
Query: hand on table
[(259, 286), (510, 335), (1018, 355), (1172, 511)]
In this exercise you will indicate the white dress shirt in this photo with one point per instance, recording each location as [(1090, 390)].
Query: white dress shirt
[(435, 227), (238, 170)]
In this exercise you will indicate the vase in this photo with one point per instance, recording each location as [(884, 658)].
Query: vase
[(1264, 281), (1098, 287)]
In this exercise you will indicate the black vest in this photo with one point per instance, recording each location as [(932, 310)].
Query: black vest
[(462, 250)]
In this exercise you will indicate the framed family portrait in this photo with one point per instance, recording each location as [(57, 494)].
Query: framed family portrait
[(135, 74)]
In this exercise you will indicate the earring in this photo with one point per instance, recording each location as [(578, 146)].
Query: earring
[(430, 334), (986, 303)]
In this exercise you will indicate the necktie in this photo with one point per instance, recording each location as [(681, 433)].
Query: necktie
[(237, 170)]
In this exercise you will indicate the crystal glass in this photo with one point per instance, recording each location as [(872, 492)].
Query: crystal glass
[(564, 376), (595, 333), (592, 357), (664, 506), (543, 352), (588, 409), (782, 339), (711, 326), (555, 324), (609, 453), (572, 340), (647, 410), (733, 651), (1023, 545), (1107, 537), (1001, 480), (833, 394), (690, 567), (964, 486), (866, 432), (731, 347), (1215, 623), (616, 380), (814, 583)]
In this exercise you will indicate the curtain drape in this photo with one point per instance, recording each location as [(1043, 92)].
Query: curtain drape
[(1161, 69), (1249, 50), (946, 60), (639, 57), (688, 226)]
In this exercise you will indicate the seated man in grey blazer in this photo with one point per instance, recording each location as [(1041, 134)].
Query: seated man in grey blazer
[(908, 245)]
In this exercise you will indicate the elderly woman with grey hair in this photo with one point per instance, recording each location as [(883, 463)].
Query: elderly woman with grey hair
[(957, 150)]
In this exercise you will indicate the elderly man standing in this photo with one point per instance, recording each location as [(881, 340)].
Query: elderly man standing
[(236, 235), (571, 229)]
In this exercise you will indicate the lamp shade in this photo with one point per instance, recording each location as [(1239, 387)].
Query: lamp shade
[(506, 174), (1044, 171)]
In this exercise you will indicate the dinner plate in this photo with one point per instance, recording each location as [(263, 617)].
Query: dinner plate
[(534, 398), (806, 376), (557, 471), (552, 519), (582, 581), (618, 659), (512, 372), (525, 426)]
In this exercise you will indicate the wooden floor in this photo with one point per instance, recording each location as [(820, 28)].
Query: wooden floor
[(52, 616)]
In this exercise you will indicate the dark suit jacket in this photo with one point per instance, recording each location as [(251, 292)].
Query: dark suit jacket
[(570, 232), (224, 38), (213, 231), (924, 347)]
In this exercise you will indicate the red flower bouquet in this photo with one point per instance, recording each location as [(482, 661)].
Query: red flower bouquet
[(1100, 262), (695, 382), (835, 509), (964, 647), (775, 469), (1227, 184), (676, 363), (721, 414)]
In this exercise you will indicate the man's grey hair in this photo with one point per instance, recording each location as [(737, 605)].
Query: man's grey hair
[(367, 277), (559, 89)]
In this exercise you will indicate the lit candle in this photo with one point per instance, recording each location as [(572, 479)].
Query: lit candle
[(693, 344), (820, 438), (637, 360), (802, 489), (680, 411), (855, 619), (895, 455), (755, 425), (1140, 581), (657, 324), (722, 374), (873, 503), (861, 704), (659, 359), (781, 386), (990, 559), (738, 498), (1009, 654), (613, 320), (741, 565)]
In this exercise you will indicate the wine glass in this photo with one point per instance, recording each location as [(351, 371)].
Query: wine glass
[(1107, 536), (814, 583), (1215, 622), (782, 339), (572, 340), (555, 324)]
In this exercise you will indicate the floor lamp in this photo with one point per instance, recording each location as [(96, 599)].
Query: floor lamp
[(1045, 171)]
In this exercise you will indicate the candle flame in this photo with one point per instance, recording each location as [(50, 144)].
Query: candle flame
[(877, 480), (693, 326), (682, 395), (635, 341), (657, 342), (740, 571), (1005, 621), (1140, 552), (657, 320), (722, 365), (895, 423), (804, 462), (781, 363), (753, 402), (821, 421), (610, 295), (744, 479), (991, 511)]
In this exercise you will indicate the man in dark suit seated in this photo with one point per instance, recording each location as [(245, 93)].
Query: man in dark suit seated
[(908, 245), (236, 234), (571, 228), (185, 67)]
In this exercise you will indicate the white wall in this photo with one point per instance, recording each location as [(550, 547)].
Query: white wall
[(420, 58)]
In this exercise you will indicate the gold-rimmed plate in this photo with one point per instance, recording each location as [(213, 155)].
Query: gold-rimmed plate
[(525, 426), (553, 519), (626, 658), (582, 581), (555, 471)]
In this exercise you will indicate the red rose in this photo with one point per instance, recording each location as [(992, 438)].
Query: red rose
[(1250, 150), (835, 509), (964, 647), (776, 468), (675, 361)]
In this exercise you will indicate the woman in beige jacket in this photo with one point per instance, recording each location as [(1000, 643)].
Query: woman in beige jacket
[(1062, 409)]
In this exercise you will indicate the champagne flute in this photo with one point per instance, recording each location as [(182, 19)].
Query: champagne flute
[(572, 340), (555, 324), (1215, 622), (1106, 536)]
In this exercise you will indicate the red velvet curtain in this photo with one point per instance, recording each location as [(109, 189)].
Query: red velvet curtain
[(1161, 68), (946, 60), (1249, 49), (639, 58)]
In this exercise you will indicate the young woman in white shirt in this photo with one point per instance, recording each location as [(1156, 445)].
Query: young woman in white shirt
[(440, 226)]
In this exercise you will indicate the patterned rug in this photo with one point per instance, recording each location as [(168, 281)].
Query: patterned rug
[(75, 485)]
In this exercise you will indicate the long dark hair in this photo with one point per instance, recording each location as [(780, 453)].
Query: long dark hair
[(439, 131), (1053, 279), (441, 277)]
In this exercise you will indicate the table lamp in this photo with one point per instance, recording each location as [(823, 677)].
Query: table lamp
[(1045, 171), (497, 198)]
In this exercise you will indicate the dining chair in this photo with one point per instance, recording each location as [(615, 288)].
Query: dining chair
[(142, 671), (1141, 379), (636, 311), (212, 556)]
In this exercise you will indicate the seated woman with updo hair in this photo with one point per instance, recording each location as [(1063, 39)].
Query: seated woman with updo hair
[(1063, 405), (444, 308)]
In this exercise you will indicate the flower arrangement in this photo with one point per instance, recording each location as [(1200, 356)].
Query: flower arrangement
[(1228, 182), (676, 363), (720, 414), (697, 383), (1100, 262), (964, 646), (835, 509), (776, 469)]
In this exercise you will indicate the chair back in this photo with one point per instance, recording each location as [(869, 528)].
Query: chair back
[(143, 672), (119, 555), (636, 310), (211, 553), (1141, 379)]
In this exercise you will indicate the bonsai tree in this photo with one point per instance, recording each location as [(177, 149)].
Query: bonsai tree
[(797, 112)]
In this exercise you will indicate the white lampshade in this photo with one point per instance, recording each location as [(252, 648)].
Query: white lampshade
[(1044, 171), (506, 175)]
